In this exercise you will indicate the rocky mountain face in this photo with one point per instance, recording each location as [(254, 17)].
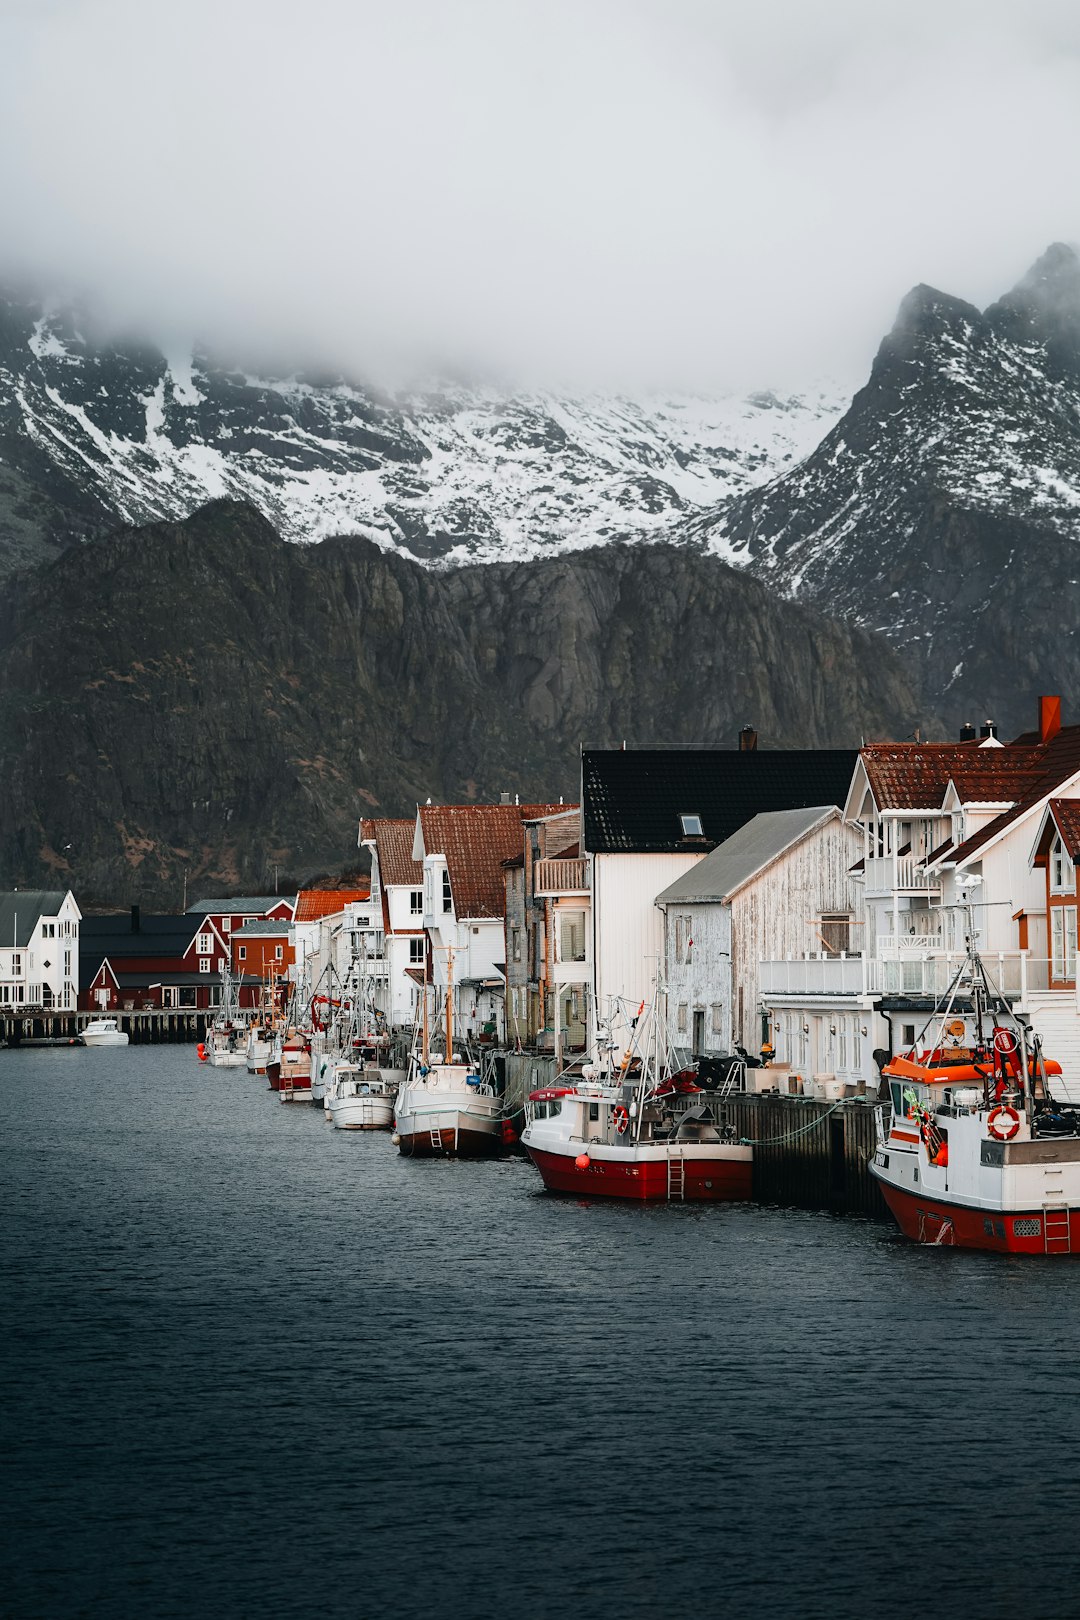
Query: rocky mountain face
[(202, 697), (943, 509), (94, 432)]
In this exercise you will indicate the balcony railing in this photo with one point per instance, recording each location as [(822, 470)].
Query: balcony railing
[(1014, 973), (888, 874), (562, 877)]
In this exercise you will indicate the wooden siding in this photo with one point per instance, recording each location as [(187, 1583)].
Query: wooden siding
[(776, 915), (628, 937)]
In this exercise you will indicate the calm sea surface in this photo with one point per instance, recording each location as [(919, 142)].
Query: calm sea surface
[(255, 1366)]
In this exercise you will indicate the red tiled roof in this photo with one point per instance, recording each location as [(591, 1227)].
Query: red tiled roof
[(314, 903), (393, 845), (1056, 762), (476, 839), (915, 776), (1066, 813)]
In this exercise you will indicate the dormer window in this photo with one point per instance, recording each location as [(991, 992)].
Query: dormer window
[(1062, 870), (691, 826)]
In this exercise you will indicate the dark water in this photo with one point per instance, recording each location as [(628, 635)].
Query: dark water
[(254, 1366)]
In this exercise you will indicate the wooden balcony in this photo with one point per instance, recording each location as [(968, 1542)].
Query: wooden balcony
[(561, 877)]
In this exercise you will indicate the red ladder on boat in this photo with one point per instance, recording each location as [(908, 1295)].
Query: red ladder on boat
[(1057, 1231)]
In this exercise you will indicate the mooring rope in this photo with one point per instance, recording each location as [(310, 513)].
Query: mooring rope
[(791, 1136)]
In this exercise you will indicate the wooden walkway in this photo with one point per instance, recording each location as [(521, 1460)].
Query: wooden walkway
[(141, 1027)]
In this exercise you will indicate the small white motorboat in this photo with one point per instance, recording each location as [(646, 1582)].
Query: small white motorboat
[(103, 1032), (358, 1099)]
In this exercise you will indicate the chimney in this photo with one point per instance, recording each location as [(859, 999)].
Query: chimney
[(988, 729), (1049, 718), (504, 798), (967, 732), (136, 921), (747, 740)]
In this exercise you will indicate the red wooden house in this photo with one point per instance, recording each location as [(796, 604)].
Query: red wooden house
[(154, 961)]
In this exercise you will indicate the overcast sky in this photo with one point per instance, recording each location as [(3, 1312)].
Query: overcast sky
[(672, 191)]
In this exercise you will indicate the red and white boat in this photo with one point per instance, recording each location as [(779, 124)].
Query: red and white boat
[(288, 1068), (640, 1132), (979, 1154)]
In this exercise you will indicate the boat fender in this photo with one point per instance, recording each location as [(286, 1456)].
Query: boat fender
[(582, 1161), (622, 1119), (1004, 1122), (396, 1139)]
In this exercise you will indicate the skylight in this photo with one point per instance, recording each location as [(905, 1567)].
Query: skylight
[(691, 826)]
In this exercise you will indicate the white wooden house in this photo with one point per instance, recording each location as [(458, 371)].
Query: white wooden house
[(397, 904), (648, 817), (39, 949), (462, 849), (943, 827), (781, 886)]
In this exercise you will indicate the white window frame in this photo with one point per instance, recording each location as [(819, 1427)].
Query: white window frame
[(417, 953), (1062, 870), (204, 964)]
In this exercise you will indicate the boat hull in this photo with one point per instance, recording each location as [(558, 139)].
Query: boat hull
[(943, 1223), (462, 1139), (724, 1178), (226, 1060), (361, 1113), (115, 1039)]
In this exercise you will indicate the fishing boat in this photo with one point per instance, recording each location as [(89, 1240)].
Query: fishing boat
[(103, 1032), (642, 1130), (288, 1068), (359, 1099), (979, 1154), (225, 1045), (445, 1106)]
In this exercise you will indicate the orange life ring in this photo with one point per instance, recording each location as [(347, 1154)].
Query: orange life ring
[(1006, 1132), (622, 1119)]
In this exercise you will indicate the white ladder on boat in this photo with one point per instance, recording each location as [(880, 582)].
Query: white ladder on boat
[(1057, 1231), (435, 1132), (676, 1176)]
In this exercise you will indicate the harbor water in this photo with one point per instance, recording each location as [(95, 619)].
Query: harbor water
[(255, 1366)]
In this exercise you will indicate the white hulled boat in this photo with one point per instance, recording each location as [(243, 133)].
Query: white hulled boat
[(103, 1032), (445, 1106), (358, 1099), (225, 1046)]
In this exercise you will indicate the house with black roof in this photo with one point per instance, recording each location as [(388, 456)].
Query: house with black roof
[(152, 961), (39, 949), (649, 815)]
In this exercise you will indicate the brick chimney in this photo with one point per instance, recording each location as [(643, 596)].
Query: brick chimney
[(747, 740), (1049, 718)]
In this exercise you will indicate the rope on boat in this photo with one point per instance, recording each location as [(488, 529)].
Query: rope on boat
[(790, 1136)]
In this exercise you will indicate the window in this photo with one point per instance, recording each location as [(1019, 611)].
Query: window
[(67, 964), (447, 897), (683, 1017), (416, 953), (571, 936), (221, 964), (515, 944), (204, 964), (204, 945), (187, 996), (416, 902), (716, 1019), (1062, 870), (1063, 942), (909, 1036), (226, 925), (241, 952), (279, 952), (691, 827), (16, 966), (836, 932), (249, 920)]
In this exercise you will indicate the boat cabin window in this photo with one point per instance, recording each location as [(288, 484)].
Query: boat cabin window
[(594, 1110), (548, 1110)]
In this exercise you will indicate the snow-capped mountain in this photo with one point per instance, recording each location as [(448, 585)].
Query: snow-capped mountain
[(944, 507), (94, 433)]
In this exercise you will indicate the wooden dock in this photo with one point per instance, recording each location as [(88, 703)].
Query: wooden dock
[(142, 1028)]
